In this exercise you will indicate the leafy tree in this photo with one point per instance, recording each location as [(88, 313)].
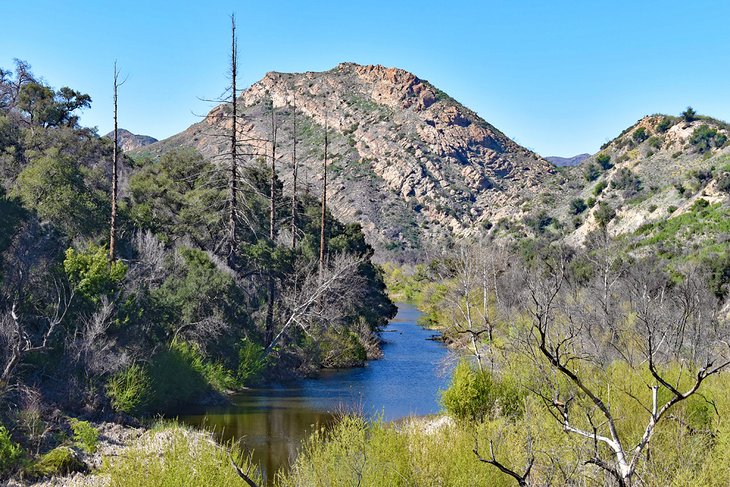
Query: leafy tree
[(47, 108), (689, 115), (53, 185), (181, 195)]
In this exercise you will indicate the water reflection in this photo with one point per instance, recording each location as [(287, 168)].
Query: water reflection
[(274, 421)]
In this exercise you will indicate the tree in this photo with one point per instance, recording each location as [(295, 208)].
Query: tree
[(115, 171), (295, 170), (233, 178), (272, 228), (672, 334), (323, 220), (689, 115)]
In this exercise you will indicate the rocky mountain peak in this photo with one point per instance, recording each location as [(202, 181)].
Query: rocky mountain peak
[(408, 162)]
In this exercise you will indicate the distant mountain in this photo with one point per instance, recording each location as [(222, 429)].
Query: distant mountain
[(409, 163), (568, 161), (129, 141)]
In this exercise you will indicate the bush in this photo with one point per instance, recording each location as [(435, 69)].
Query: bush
[(251, 362), (665, 124), (475, 395), (604, 160), (704, 138), (626, 181), (599, 188), (91, 273), (10, 452), (177, 377), (723, 182), (640, 135), (591, 172), (604, 214), (59, 461), (591, 202), (130, 390), (85, 436), (671, 209), (578, 206), (181, 458)]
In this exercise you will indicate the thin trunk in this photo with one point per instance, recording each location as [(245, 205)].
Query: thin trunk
[(233, 182), (322, 241), (115, 165), (294, 180), (272, 230)]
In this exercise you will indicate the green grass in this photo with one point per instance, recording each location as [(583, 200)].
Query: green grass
[(171, 455)]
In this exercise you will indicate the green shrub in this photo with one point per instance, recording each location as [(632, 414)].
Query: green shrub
[(671, 209), (704, 138), (654, 142), (475, 395), (652, 208), (182, 458), (578, 206), (591, 172), (130, 390), (626, 181), (91, 273), (251, 362), (177, 377), (665, 124), (604, 214), (10, 453), (640, 135), (59, 461), (599, 188), (85, 436), (604, 160), (723, 182), (591, 202)]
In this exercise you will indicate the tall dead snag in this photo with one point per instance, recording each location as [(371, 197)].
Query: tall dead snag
[(233, 181), (115, 169), (322, 239), (272, 229), (294, 176)]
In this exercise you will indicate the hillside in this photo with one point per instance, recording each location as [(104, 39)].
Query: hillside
[(409, 163), (129, 141), (661, 173), (568, 161)]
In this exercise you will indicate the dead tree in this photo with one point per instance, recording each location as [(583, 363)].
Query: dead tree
[(19, 335), (115, 172), (321, 296), (294, 175), (271, 285), (233, 177), (323, 221), (522, 479), (561, 338)]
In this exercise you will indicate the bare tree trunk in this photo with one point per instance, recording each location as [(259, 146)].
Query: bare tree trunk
[(322, 240), (294, 179), (272, 230), (233, 182), (115, 165)]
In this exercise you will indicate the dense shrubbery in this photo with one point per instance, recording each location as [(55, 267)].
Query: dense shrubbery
[(177, 316)]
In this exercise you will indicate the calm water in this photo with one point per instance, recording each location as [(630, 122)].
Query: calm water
[(273, 421)]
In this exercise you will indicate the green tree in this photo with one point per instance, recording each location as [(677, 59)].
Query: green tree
[(53, 185), (689, 115)]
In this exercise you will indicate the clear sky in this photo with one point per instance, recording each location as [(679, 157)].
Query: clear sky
[(559, 77)]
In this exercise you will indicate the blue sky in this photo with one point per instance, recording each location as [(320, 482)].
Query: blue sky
[(558, 77)]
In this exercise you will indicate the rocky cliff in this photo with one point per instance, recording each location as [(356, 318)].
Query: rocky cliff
[(408, 162)]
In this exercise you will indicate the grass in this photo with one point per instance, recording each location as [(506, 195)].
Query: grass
[(171, 455)]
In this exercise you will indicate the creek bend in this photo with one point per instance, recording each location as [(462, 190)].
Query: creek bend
[(272, 421)]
